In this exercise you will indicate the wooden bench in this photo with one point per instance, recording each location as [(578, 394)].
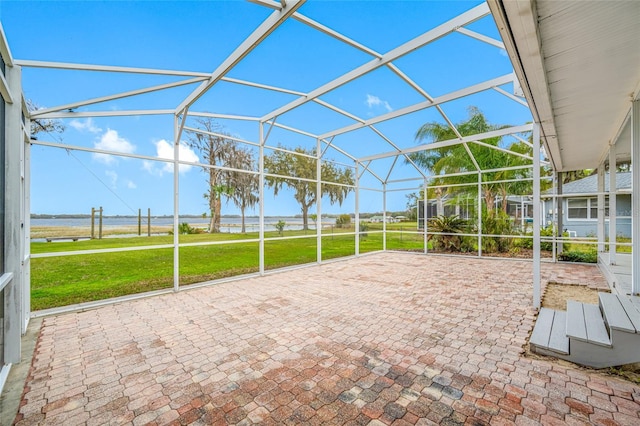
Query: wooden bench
[(49, 239)]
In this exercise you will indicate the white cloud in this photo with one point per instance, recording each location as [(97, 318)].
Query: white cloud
[(374, 102), (86, 125), (165, 150), (111, 141), (131, 185), (113, 177)]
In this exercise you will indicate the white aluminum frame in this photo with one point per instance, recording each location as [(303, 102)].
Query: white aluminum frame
[(281, 13)]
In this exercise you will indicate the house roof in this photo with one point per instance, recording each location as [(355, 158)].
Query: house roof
[(579, 66), (590, 184)]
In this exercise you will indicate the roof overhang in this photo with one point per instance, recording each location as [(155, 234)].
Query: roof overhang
[(579, 67)]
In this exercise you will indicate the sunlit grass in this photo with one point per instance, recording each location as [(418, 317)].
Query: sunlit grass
[(65, 280)]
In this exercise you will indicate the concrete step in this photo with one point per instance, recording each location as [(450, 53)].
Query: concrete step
[(549, 333)]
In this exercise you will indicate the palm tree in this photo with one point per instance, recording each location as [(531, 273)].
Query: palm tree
[(456, 159)]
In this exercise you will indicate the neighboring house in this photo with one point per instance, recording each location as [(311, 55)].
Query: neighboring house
[(380, 219), (518, 207), (580, 213)]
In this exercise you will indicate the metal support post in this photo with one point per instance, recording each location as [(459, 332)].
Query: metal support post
[(425, 217), (613, 209), (560, 207), (635, 197), (554, 227), (384, 216), (600, 227), (261, 200), (357, 213), (479, 214), (15, 290), (176, 204), (319, 201), (536, 216)]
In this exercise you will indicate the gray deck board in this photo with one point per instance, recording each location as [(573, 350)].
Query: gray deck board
[(615, 314), (542, 329), (632, 311), (558, 340), (575, 321), (596, 329)]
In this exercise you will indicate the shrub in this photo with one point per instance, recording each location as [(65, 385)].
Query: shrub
[(496, 222), (280, 226), (447, 225), (590, 256), (544, 245), (343, 221), (185, 228)]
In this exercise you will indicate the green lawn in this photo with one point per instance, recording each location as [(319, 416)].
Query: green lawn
[(65, 280)]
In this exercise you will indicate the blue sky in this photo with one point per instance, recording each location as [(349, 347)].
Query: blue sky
[(197, 36)]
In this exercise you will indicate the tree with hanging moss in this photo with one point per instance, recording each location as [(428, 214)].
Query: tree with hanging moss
[(300, 164), (222, 155)]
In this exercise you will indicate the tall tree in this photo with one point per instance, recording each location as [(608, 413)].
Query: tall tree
[(303, 165), (245, 185), (456, 159), (218, 150)]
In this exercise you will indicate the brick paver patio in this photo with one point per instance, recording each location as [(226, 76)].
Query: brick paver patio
[(381, 339)]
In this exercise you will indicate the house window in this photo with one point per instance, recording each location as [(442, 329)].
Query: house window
[(585, 208), (578, 208)]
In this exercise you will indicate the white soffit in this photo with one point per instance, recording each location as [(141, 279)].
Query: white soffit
[(579, 63)]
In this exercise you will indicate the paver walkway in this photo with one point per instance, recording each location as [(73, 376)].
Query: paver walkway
[(381, 339)]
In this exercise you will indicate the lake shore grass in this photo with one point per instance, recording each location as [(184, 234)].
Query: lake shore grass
[(65, 280)]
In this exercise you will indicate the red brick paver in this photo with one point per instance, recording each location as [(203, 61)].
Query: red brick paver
[(387, 338)]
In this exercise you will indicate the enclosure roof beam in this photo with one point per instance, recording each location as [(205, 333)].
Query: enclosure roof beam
[(269, 25), (393, 145), (107, 68), (221, 116), (481, 37), (148, 71), (471, 156), (486, 85), (512, 97), (130, 93), (320, 27), (340, 150), (117, 113), (497, 148), (523, 140), (4, 48), (393, 165), (418, 42), (219, 135), (365, 168), (292, 129), (450, 142)]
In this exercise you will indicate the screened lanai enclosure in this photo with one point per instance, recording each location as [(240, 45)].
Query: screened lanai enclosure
[(263, 145), (284, 135)]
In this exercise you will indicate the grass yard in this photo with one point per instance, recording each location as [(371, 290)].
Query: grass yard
[(66, 280)]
